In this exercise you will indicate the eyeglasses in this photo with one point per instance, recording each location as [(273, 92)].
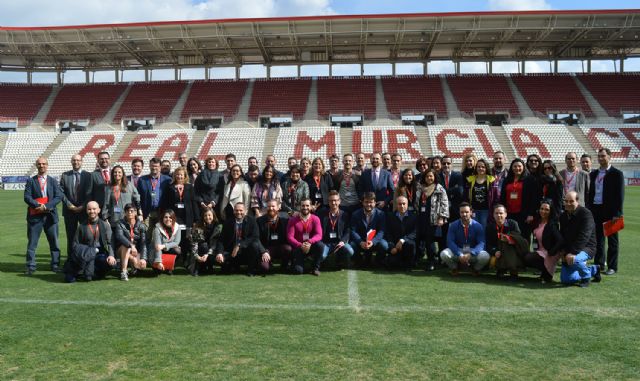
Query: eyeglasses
[(533, 160), (547, 168), (445, 163)]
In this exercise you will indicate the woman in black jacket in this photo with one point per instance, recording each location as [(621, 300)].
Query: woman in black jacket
[(547, 241), (209, 185), (130, 242), (180, 197)]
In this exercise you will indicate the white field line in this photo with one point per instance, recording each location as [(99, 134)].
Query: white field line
[(354, 295), (609, 311)]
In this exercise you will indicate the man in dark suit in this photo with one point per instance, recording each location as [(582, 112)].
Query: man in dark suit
[(336, 231), (273, 234), (377, 180), (401, 235), (137, 165), (151, 187), (75, 185), (606, 198), (101, 178), (362, 222), (42, 194), (453, 183), (240, 243), (579, 243)]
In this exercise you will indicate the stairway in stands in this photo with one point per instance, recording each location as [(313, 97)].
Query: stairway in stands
[(108, 118), (503, 140), (50, 149), (242, 117), (382, 113), (311, 113), (174, 117), (346, 141), (196, 141), (452, 107), (270, 143), (525, 111), (3, 143), (598, 110), (422, 133), (122, 146), (38, 120), (577, 133)]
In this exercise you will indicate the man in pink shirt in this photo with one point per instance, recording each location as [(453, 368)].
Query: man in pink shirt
[(304, 233)]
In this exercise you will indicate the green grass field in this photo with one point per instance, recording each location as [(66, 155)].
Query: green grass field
[(351, 325)]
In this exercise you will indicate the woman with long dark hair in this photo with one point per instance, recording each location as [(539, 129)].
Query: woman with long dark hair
[(407, 186), (514, 194), (204, 237), (481, 194), (131, 242), (320, 183), (552, 188), (265, 189), (166, 242), (547, 242), (433, 211), (235, 190), (193, 169)]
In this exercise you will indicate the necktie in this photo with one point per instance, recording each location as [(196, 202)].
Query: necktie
[(76, 186), (105, 174), (375, 177)]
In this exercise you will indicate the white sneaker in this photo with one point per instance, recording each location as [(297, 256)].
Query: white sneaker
[(124, 276)]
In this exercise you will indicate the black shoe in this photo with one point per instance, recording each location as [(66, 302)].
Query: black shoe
[(169, 272), (430, 267), (597, 277), (298, 270), (251, 274), (610, 272), (584, 283), (194, 273)]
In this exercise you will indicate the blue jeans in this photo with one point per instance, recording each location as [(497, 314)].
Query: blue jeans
[(343, 254), (481, 217), (34, 229), (578, 271)]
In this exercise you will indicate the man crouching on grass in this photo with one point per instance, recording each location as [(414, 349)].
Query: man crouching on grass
[(92, 254)]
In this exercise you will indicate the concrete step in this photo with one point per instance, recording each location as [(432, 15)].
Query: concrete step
[(174, 117), (122, 146), (196, 141), (50, 149), (346, 141), (40, 117), (311, 113), (243, 109), (503, 140), (381, 103), (270, 142), (523, 106), (582, 139), (598, 110), (108, 118), (425, 141), (452, 106)]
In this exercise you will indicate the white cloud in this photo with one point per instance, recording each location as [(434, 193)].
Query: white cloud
[(518, 5), (75, 12)]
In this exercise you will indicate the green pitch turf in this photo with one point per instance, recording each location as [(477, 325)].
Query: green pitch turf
[(347, 325)]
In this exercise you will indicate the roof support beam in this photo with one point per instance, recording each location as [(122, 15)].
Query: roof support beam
[(293, 40), (117, 36), (190, 41), (255, 31), (399, 38), (225, 41), (435, 34)]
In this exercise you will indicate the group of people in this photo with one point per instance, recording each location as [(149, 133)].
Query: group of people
[(488, 215)]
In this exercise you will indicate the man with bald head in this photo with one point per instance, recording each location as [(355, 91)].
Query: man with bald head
[(75, 185), (42, 194), (574, 178), (579, 243), (92, 255)]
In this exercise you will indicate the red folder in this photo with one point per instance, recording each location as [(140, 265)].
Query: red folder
[(34, 211), (613, 226), (370, 234)]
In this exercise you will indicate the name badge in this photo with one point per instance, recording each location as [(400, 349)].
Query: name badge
[(117, 209), (318, 195), (97, 250), (410, 208), (274, 237), (423, 209), (534, 245), (305, 237), (183, 227), (514, 195), (333, 235), (180, 205), (466, 249), (153, 194), (347, 194)]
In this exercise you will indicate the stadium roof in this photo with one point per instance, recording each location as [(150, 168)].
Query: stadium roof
[(381, 38)]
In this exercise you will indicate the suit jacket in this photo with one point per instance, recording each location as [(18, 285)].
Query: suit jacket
[(326, 184), (456, 238), (68, 186), (455, 192), (266, 232), (578, 232), (342, 228), (397, 229), (383, 189), (145, 188), (612, 193), (84, 236), (582, 182), (491, 234), (129, 196), (98, 187), (250, 234), (209, 186), (171, 197), (359, 227), (32, 191)]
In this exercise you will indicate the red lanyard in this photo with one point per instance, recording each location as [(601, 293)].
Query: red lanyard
[(154, 184), (180, 189), (409, 194), (317, 180), (105, 176), (466, 233), (446, 181), (168, 233), (499, 229), (332, 221), (116, 195), (131, 231), (305, 225), (347, 180), (569, 180), (95, 232), (43, 184), (273, 225)]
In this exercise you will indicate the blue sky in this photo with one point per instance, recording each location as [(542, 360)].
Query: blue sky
[(20, 13)]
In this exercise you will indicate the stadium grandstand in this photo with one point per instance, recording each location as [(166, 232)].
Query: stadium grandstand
[(415, 115)]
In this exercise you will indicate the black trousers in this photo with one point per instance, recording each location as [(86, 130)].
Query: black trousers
[(612, 240)]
